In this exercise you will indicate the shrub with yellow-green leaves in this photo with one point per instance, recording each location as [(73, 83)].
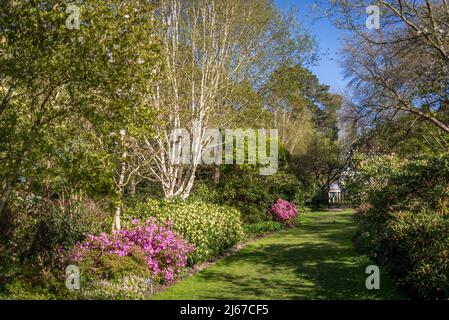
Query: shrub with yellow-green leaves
[(211, 228)]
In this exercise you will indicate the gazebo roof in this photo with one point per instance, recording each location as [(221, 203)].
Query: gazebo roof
[(334, 187)]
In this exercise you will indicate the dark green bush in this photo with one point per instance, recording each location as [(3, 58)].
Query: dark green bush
[(371, 227), (286, 186), (23, 289), (112, 266), (414, 248), (421, 243), (35, 232), (205, 191), (251, 193), (405, 226)]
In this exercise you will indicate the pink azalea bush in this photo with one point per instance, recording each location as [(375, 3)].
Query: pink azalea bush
[(165, 251), (283, 211)]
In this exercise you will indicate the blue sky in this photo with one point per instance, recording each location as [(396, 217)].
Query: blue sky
[(328, 37)]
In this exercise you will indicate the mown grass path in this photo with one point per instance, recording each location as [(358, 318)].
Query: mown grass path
[(313, 261)]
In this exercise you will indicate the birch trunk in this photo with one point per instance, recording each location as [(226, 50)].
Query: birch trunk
[(116, 225), (121, 183), (209, 46)]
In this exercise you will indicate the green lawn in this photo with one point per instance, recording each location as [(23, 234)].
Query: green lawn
[(313, 261)]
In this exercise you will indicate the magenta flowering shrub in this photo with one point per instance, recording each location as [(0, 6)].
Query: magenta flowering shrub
[(283, 211), (165, 251)]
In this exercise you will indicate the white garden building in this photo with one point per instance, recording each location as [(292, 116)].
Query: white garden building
[(334, 193)]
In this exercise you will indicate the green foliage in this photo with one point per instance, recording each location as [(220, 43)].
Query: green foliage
[(21, 290), (111, 266), (286, 186), (392, 184), (322, 163), (251, 193), (131, 287), (24, 289), (78, 163), (292, 89), (71, 69), (248, 195), (417, 253), (110, 276), (412, 246), (263, 227), (369, 174), (205, 191), (211, 228), (402, 136), (34, 230), (405, 225)]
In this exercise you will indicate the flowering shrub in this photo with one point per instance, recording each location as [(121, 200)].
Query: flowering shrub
[(210, 228), (164, 251), (283, 211)]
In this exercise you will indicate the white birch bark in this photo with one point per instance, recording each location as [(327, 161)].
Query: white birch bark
[(205, 55)]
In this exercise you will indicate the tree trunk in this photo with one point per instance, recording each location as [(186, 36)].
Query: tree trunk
[(180, 176), (216, 174), (188, 187), (4, 197), (132, 186), (116, 225), (120, 190)]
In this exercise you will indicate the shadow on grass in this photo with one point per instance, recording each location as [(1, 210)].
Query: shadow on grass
[(293, 272), (313, 261)]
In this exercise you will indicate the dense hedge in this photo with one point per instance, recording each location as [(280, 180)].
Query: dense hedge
[(212, 229), (418, 246), (251, 194), (405, 226), (413, 247)]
